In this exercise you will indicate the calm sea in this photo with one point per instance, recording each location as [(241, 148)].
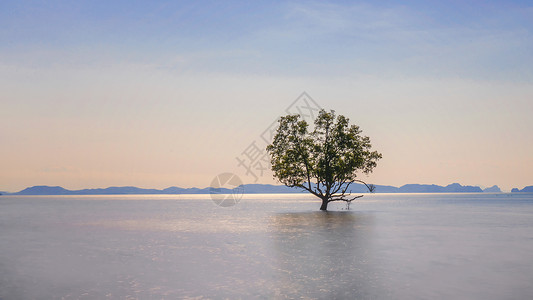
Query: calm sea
[(387, 246)]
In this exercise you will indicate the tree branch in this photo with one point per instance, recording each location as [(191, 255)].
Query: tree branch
[(370, 187), (344, 199), (307, 189)]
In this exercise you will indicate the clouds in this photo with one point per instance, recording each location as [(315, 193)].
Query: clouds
[(412, 40), (297, 38)]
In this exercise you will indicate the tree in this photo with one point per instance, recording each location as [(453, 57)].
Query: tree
[(325, 161)]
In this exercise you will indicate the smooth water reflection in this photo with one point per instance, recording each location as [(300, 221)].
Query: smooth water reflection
[(326, 255), (474, 246)]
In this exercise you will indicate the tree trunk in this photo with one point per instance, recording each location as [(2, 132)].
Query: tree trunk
[(324, 205)]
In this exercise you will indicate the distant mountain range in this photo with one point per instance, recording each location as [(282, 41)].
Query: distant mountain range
[(131, 190), (492, 189), (259, 189), (527, 189)]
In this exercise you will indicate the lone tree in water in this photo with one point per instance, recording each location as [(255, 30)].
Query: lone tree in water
[(325, 162)]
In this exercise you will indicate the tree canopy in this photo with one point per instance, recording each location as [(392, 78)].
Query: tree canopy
[(324, 161)]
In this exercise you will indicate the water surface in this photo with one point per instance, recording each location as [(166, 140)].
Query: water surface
[(387, 246)]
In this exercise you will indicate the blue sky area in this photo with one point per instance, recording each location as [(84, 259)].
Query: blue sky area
[(161, 93)]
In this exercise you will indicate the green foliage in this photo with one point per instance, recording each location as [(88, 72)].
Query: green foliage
[(324, 161)]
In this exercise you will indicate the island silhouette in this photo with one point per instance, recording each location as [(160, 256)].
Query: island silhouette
[(259, 189)]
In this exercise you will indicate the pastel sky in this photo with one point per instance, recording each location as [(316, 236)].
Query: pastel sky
[(169, 93)]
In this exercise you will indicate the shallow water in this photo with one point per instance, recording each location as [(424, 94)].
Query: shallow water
[(388, 246)]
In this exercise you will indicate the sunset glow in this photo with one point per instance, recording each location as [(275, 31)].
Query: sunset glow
[(165, 94)]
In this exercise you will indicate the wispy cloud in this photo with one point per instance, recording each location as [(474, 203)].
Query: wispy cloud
[(404, 40), (295, 38)]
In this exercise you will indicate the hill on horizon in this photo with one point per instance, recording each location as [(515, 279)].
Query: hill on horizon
[(527, 189)]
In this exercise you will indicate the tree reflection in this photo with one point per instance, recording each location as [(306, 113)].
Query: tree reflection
[(324, 255)]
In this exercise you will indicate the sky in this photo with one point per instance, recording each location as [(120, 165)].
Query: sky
[(172, 93)]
